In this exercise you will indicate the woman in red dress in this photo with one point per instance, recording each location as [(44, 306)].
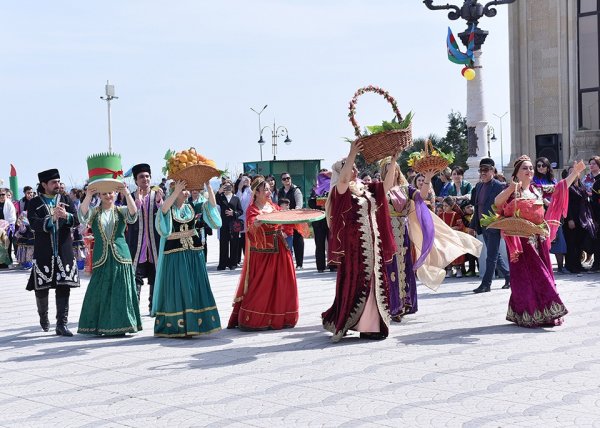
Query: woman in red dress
[(360, 244), (267, 295)]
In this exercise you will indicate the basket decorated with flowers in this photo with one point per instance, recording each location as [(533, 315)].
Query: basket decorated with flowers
[(386, 139), (191, 167), (429, 159)]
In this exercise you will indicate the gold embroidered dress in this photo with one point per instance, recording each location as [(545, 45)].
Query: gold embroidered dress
[(110, 305), (183, 302)]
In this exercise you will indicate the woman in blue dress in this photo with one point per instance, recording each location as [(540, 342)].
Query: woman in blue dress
[(183, 303)]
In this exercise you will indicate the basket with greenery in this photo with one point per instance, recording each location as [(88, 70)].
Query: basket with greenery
[(386, 139), (429, 159)]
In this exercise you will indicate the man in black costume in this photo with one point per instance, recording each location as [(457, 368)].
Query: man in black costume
[(51, 216), (142, 237)]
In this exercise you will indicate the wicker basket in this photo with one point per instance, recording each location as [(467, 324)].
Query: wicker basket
[(429, 162), (515, 226), (384, 144), (195, 175)]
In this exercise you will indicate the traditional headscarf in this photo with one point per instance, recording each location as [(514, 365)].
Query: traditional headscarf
[(517, 164), (355, 187), (336, 169), (256, 182)]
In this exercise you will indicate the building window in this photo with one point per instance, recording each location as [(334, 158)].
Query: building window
[(588, 54)]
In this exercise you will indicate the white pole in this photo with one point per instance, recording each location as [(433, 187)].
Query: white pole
[(109, 90), (476, 122), (501, 141), (109, 128)]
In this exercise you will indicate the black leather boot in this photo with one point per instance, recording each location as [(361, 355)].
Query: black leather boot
[(42, 306), (62, 314), (482, 289)]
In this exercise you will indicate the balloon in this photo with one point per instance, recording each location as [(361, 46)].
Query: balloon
[(465, 68), (469, 74)]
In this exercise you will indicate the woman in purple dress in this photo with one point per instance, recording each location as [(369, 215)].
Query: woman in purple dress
[(434, 244), (534, 300)]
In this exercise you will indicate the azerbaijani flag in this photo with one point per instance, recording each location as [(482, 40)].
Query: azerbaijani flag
[(454, 53)]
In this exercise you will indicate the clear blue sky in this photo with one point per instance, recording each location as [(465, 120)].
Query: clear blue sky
[(187, 73)]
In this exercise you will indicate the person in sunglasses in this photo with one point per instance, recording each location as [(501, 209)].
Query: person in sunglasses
[(482, 199), (294, 194)]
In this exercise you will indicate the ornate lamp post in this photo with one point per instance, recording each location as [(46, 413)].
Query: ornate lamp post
[(276, 132), (261, 142), (491, 138), (471, 11)]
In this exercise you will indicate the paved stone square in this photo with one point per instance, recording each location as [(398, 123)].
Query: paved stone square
[(457, 362)]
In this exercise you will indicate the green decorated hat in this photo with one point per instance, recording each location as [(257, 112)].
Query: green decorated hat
[(105, 171)]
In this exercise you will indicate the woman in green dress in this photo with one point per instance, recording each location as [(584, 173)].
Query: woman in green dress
[(183, 303), (110, 306)]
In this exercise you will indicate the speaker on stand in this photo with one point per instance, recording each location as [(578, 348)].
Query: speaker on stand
[(549, 146)]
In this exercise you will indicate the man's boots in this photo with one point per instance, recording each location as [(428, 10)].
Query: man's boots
[(62, 314), (42, 306)]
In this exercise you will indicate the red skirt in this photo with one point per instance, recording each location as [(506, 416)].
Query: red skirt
[(267, 295)]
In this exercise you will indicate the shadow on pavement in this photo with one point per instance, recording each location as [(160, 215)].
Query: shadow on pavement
[(81, 344), (464, 335)]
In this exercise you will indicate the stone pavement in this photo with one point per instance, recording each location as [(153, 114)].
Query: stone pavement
[(457, 362)]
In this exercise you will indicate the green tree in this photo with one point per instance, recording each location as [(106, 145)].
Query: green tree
[(456, 139)]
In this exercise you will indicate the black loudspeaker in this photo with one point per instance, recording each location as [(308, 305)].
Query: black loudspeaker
[(549, 146)]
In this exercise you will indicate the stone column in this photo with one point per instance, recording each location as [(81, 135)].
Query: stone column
[(476, 122)]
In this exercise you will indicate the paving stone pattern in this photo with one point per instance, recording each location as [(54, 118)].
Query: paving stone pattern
[(457, 362)]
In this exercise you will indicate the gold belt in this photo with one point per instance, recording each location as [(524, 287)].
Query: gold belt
[(182, 234)]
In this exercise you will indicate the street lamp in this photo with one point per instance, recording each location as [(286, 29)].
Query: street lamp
[(109, 90), (472, 11), (491, 136), (276, 132), (261, 142), (501, 142)]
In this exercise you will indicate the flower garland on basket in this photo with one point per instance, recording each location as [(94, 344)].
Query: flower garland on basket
[(191, 167), (386, 139), (429, 159)]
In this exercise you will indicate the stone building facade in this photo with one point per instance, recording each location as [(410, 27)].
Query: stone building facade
[(555, 77)]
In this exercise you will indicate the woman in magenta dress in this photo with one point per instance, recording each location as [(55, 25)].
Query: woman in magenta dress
[(267, 294), (360, 244), (534, 300)]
